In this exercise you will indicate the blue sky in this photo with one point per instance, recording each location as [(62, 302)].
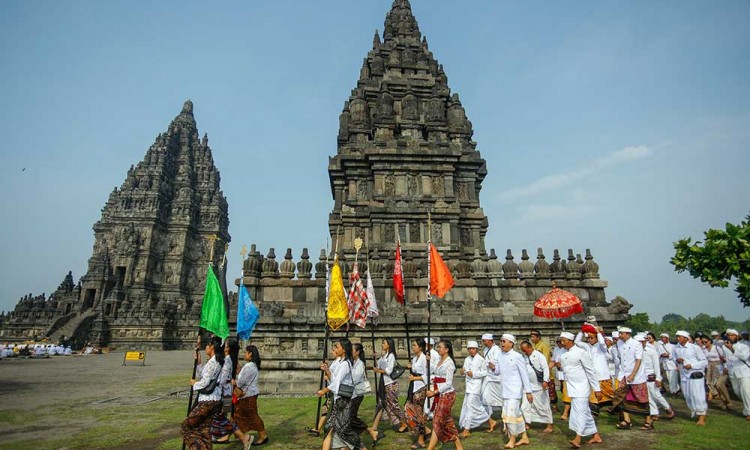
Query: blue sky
[(615, 126)]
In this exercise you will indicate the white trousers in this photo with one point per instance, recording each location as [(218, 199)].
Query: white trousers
[(741, 387), (539, 411), (673, 378), (655, 399), (473, 413), (581, 421), (695, 395), (512, 416)]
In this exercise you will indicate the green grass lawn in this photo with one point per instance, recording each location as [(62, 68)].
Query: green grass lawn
[(153, 423)]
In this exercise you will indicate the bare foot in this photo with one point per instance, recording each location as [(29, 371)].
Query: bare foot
[(549, 429), (563, 417), (509, 445), (493, 424), (524, 441), (701, 421), (595, 440), (464, 434), (575, 444)]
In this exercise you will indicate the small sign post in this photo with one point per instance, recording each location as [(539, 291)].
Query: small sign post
[(135, 356)]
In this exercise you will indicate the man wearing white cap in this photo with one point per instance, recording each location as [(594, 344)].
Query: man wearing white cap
[(691, 362), (665, 348), (473, 414), (595, 345), (580, 379), (539, 410), (738, 356), (492, 387), (631, 396), (653, 382), (512, 367)]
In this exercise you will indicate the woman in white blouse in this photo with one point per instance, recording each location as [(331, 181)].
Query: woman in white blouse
[(414, 408), (246, 410), (443, 427), (338, 427), (361, 387), (387, 392)]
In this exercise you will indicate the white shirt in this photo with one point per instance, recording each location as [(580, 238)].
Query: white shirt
[(666, 361), (477, 367), (511, 366), (598, 354), (738, 357), (651, 362), (419, 366), (340, 374), (580, 378), (536, 361), (358, 376), (556, 355), (444, 370), (386, 363), (491, 354), (630, 352), (247, 380), (692, 356)]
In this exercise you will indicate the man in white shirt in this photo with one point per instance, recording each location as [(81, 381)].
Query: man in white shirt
[(473, 413), (539, 410), (492, 387), (512, 367), (653, 379), (557, 353), (581, 380), (665, 348), (595, 345), (631, 396), (739, 355), (691, 363), (434, 358)]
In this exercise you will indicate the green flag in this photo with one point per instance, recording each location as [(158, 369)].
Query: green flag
[(213, 313)]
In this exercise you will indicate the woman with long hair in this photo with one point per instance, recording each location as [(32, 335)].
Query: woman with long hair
[(387, 392), (246, 410), (416, 394), (338, 427), (196, 428), (443, 427), (221, 427)]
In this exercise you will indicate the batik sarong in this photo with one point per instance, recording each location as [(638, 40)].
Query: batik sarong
[(442, 423), (358, 425), (221, 426), (631, 398), (414, 411), (391, 405), (246, 415), (196, 428), (340, 421)]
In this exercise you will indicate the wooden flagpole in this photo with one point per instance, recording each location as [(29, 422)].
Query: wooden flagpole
[(429, 299), (372, 331), (403, 278)]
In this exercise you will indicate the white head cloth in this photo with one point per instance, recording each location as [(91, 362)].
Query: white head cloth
[(472, 344), (567, 335)]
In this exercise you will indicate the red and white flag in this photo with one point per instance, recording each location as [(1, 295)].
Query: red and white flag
[(398, 276), (358, 301)]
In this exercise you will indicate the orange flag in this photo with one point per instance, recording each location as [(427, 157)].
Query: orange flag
[(441, 280)]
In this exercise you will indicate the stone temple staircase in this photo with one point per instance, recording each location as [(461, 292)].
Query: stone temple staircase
[(69, 329)]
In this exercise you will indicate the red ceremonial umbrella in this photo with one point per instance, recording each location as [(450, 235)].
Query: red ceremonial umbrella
[(557, 304)]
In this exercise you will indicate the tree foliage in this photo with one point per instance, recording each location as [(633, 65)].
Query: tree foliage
[(670, 323), (723, 255)]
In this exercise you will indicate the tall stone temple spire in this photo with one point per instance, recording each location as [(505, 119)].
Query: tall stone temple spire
[(405, 149)]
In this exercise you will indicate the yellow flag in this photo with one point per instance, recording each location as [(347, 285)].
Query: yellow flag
[(338, 310)]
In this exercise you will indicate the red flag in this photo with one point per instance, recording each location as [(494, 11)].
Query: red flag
[(359, 304), (398, 276), (441, 280)]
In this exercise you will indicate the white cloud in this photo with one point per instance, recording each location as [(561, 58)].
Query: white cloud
[(568, 178)]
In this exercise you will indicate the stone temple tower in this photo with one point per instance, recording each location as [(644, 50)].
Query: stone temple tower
[(151, 250), (405, 148)]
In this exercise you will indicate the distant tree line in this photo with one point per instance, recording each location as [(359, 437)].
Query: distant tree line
[(673, 322)]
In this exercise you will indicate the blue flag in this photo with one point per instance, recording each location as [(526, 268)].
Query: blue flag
[(247, 314)]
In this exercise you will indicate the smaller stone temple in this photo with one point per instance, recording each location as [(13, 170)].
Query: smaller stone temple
[(145, 280)]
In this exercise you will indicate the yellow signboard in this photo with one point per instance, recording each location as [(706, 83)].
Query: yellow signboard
[(135, 356)]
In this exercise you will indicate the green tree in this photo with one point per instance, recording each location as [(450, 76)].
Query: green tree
[(725, 254), (639, 322)]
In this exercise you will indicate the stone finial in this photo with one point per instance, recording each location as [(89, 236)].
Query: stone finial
[(510, 268), (494, 268), (252, 265), (463, 269), (478, 267), (557, 268), (541, 268), (526, 268), (572, 269), (270, 266), (286, 268), (304, 267), (590, 268), (376, 41), (187, 108), (320, 266)]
